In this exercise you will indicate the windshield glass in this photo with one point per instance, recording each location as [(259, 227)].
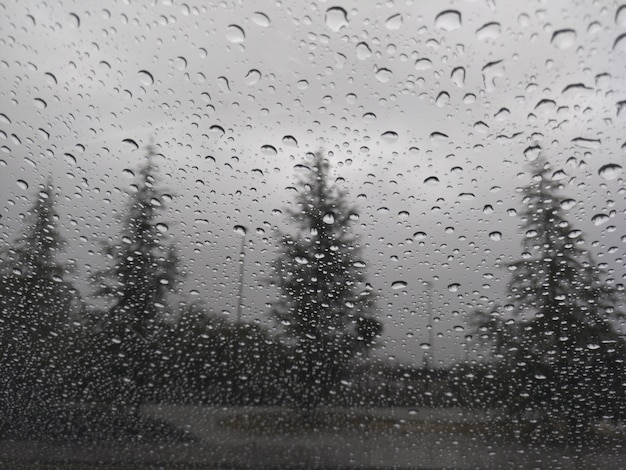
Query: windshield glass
[(277, 234)]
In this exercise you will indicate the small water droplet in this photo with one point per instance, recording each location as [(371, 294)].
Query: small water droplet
[(454, 287), (394, 22), (563, 38), (41, 104), (290, 141), (252, 77), (134, 145), (161, 227), (488, 31), (145, 77), (458, 76), (235, 34), (260, 19), (363, 51), (180, 63), (329, 218)]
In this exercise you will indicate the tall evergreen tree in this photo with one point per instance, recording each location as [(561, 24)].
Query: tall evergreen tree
[(143, 271), (560, 348), (37, 304), (324, 308)]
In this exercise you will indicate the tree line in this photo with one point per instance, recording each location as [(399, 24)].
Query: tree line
[(554, 351)]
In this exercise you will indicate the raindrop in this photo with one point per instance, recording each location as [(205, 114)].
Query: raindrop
[(568, 203), (599, 219), (423, 64), (587, 143), (389, 137), (4, 119), (419, 235), (593, 347), (128, 173), (383, 75), (438, 137), (448, 20), (180, 63), (610, 171), (162, 228), (359, 264), (301, 260), (620, 43), (235, 34), (50, 78), (563, 38), (252, 77), (302, 84), (396, 285), (216, 131), (69, 158), (394, 22), (403, 214), (442, 99), (425, 346), (531, 233), (240, 230), (491, 71), (363, 51), (454, 287), (41, 104), (574, 233), (489, 31), (620, 16), (290, 141), (22, 184), (269, 150), (458, 76), (74, 20), (336, 18), (145, 77), (431, 181), (466, 196), (260, 19), (531, 153), (223, 83), (495, 236), (329, 218), (134, 145)]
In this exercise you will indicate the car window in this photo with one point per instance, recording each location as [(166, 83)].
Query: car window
[(329, 234)]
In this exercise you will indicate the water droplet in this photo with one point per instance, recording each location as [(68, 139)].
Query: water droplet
[(180, 63), (161, 227), (454, 287), (302, 84), (4, 119), (574, 233), (240, 230), (466, 196), (563, 38), (431, 181), (419, 235), (620, 43), (329, 218), (41, 104), (587, 143), (599, 219), (403, 214), (488, 31), (74, 20), (438, 138), (396, 285), (363, 51), (394, 22), (442, 99), (145, 77), (383, 75), (610, 171), (235, 34), (593, 346), (336, 18), (458, 76), (69, 158), (359, 264), (252, 77), (134, 145), (423, 64), (50, 78), (389, 137), (531, 233), (216, 131), (301, 260), (128, 173), (269, 150), (22, 184), (260, 19), (290, 141), (448, 20), (567, 204), (491, 72), (495, 236), (425, 346)]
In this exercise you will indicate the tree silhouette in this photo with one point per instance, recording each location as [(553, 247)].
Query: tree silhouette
[(37, 304), (143, 271), (559, 347), (324, 308)]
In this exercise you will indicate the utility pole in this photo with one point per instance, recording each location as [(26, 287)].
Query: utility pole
[(242, 258)]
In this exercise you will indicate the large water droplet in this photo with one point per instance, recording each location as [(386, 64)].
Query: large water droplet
[(489, 31), (458, 76), (610, 171), (41, 104), (383, 75), (438, 138), (180, 63), (260, 19), (599, 219), (396, 285), (161, 227), (22, 184), (620, 43), (495, 236), (448, 20), (394, 22), (252, 77), (389, 137), (587, 143), (454, 287), (329, 218), (240, 230), (336, 18), (442, 99), (269, 150), (563, 38), (363, 51), (290, 141), (145, 77), (235, 34)]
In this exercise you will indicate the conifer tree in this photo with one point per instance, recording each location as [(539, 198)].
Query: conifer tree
[(557, 340), (324, 309)]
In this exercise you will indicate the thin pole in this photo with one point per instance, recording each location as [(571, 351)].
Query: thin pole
[(241, 262), (428, 358)]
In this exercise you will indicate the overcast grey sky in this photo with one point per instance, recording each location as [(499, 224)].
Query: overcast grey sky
[(399, 92)]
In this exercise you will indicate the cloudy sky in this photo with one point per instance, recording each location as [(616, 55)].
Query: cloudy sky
[(429, 113)]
